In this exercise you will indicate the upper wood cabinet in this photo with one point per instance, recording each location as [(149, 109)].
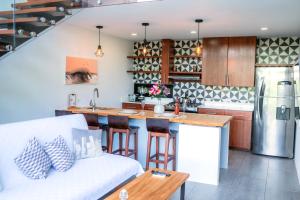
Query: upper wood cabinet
[(229, 61), (214, 63), (241, 61)]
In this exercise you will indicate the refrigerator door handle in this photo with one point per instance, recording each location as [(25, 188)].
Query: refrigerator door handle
[(261, 99)]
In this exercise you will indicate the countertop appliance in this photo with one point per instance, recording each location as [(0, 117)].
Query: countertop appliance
[(274, 111), (189, 108)]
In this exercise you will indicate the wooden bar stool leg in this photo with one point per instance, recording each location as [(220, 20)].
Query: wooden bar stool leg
[(127, 143), (166, 152), (148, 150), (120, 143), (174, 153), (136, 145), (157, 151), (107, 139), (111, 139)]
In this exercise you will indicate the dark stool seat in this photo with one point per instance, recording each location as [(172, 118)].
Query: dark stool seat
[(62, 112), (159, 128), (92, 122), (120, 125)]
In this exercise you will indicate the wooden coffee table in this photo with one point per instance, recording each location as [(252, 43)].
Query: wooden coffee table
[(149, 187)]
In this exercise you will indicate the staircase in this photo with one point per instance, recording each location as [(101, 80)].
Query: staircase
[(27, 20)]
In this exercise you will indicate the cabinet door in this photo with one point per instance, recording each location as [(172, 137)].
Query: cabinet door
[(149, 107), (214, 64), (211, 111), (236, 133), (241, 61), (136, 106), (240, 129)]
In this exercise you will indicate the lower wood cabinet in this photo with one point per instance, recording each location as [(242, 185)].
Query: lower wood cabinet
[(137, 106), (240, 126)]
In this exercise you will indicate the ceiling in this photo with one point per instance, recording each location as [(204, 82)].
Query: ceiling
[(174, 19)]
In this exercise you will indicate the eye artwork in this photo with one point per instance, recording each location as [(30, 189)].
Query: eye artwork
[(81, 70)]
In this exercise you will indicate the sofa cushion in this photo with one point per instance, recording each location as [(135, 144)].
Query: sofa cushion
[(33, 161), (86, 143), (60, 154), (88, 179), (14, 137)]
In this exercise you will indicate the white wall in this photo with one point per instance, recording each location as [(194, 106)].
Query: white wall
[(6, 4), (32, 78)]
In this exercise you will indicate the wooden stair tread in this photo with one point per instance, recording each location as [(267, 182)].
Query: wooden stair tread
[(7, 32), (29, 11), (41, 2), (19, 20)]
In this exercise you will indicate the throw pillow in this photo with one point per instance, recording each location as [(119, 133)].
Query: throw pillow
[(33, 161), (60, 155), (86, 143)]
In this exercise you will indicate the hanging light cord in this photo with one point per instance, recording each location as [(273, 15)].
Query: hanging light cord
[(198, 33), (99, 36), (145, 40)]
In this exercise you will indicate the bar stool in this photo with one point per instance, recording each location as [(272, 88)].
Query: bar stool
[(120, 125), (62, 112), (159, 128), (93, 124)]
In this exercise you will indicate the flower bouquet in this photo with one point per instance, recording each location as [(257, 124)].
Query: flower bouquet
[(159, 91)]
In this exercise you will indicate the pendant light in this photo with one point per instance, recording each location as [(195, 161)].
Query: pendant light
[(198, 49), (99, 51), (145, 44)]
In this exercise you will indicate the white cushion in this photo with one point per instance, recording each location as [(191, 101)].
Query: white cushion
[(33, 161), (14, 136), (60, 154), (88, 179)]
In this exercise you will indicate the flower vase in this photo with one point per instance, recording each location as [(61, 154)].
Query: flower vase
[(159, 108)]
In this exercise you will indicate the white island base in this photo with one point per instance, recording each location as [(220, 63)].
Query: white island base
[(202, 151)]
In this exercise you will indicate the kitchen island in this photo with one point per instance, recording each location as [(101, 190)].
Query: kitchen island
[(203, 140)]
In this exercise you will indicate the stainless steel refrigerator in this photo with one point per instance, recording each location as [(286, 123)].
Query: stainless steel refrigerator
[(274, 111)]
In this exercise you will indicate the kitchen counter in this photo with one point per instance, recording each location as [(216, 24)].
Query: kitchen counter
[(204, 136), (228, 106), (183, 118)]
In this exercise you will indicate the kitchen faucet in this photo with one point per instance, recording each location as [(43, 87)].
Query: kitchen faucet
[(93, 101)]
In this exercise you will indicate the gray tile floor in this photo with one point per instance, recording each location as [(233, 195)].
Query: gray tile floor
[(250, 177)]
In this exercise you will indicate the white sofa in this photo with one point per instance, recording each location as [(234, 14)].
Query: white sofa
[(88, 179)]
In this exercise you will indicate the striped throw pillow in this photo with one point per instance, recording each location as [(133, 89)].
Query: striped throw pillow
[(61, 156), (33, 161)]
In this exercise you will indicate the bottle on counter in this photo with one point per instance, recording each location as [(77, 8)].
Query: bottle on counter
[(177, 106)]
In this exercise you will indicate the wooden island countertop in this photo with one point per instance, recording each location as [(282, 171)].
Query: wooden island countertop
[(183, 118)]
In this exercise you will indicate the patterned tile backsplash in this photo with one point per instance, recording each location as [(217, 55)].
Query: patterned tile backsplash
[(197, 93), (275, 50)]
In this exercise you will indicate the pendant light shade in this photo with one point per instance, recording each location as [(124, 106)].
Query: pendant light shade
[(99, 51), (198, 49), (145, 44)]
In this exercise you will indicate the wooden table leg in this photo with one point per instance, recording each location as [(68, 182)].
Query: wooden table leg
[(182, 191)]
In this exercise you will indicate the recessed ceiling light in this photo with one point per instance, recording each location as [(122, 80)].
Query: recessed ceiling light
[(264, 28), (193, 32), (133, 34)]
